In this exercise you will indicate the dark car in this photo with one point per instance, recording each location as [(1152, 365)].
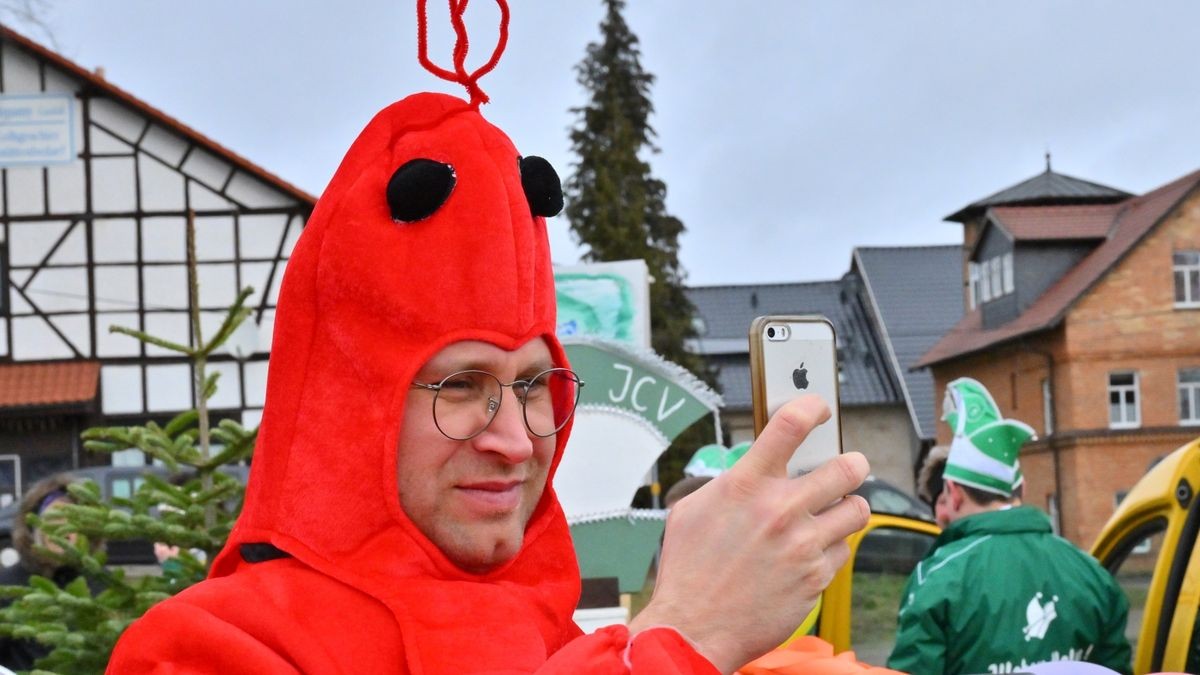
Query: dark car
[(883, 497), (892, 549), (114, 481)]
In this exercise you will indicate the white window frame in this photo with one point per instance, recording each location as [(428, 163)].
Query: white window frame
[(985, 283), (997, 281), (1006, 261), (972, 284), (1121, 389), (1187, 269), (7, 498), (1189, 409), (1047, 407), (128, 457)]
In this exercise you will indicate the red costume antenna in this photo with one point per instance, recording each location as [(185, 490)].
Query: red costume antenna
[(461, 44)]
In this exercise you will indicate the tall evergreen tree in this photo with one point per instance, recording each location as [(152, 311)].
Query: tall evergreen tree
[(617, 208)]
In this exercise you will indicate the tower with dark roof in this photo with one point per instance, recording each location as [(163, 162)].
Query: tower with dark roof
[(1047, 188)]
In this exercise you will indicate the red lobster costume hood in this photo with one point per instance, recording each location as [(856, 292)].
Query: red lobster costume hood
[(432, 231)]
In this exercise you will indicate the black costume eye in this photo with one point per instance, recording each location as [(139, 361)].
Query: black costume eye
[(418, 189), (543, 189)]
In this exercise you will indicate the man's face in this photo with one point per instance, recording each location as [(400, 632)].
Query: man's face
[(53, 515), (473, 498)]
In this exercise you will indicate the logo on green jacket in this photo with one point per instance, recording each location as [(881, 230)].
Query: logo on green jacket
[(1039, 617)]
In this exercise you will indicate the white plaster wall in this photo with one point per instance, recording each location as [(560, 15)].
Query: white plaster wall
[(61, 189)]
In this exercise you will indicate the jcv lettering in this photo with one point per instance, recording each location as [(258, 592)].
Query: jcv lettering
[(631, 391)]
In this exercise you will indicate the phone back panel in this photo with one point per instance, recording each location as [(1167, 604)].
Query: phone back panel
[(800, 358)]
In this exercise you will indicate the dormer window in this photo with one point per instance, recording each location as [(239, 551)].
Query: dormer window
[(1187, 278), (991, 279)]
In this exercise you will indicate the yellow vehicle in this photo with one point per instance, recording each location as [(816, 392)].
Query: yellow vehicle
[(858, 609), (1149, 545)]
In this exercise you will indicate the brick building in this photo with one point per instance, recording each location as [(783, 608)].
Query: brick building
[(1083, 316)]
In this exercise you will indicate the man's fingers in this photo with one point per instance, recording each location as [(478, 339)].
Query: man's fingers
[(785, 431), (837, 555), (832, 480), (842, 519)]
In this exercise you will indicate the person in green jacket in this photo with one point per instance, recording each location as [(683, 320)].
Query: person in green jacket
[(999, 591)]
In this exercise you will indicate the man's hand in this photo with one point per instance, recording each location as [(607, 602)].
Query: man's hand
[(746, 556)]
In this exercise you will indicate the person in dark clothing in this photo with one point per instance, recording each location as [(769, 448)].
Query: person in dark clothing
[(42, 499)]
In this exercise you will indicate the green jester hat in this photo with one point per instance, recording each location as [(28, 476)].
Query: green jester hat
[(985, 448)]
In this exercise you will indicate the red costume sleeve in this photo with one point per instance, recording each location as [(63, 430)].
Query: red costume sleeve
[(182, 638)]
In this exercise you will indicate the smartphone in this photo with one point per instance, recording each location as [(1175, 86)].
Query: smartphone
[(791, 356)]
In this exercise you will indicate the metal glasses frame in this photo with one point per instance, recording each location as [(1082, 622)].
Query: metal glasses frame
[(494, 404)]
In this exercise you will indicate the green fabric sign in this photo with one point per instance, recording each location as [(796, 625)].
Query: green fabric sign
[(594, 305), (615, 380)]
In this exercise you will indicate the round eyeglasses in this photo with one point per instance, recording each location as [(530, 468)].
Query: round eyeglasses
[(466, 402)]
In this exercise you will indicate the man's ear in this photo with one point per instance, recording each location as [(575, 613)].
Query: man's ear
[(957, 495)]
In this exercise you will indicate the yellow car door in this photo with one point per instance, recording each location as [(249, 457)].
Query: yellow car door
[(882, 556), (1149, 545)]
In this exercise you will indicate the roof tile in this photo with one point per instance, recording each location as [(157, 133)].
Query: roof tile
[(1047, 187), (917, 293), (41, 384), (1032, 223), (727, 312), (1134, 219)]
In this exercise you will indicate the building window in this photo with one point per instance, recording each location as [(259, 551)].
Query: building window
[(1047, 408), (1187, 278), (994, 277), (1189, 396), (129, 457), (973, 284), (1123, 401)]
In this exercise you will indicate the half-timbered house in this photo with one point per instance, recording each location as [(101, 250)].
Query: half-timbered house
[(96, 187)]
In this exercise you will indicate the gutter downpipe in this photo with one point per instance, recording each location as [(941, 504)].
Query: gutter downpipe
[(1052, 437)]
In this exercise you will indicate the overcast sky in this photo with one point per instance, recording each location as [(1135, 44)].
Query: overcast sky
[(790, 131)]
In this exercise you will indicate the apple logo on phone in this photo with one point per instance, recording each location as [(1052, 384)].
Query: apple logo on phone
[(800, 377)]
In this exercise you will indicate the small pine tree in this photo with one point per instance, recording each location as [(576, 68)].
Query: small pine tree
[(194, 510), (617, 209)]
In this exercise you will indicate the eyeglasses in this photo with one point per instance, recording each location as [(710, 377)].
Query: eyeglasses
[(466, 402)]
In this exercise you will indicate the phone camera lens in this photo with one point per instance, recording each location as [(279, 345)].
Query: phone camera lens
[(771, 332)]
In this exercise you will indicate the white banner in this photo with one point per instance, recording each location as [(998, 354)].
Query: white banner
[(37, 129)]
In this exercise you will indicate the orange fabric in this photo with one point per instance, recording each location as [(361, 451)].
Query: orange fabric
[(808, 655), (365, 302)]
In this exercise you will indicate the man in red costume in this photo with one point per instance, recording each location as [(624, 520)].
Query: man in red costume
[(400, 515)]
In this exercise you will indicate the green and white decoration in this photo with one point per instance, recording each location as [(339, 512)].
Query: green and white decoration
[(631, 407), (713, 459)]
